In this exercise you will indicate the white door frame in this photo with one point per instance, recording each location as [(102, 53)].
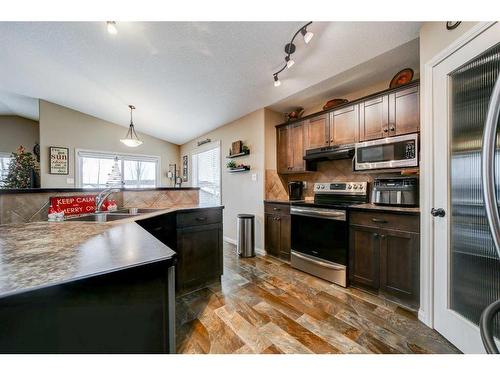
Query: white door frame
[(427, 254)]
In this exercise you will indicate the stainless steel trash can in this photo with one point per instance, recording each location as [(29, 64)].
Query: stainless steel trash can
[(246, 236)]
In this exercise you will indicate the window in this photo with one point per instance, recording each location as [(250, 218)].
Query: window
[(4, 166), (206, 173), (136, 171)]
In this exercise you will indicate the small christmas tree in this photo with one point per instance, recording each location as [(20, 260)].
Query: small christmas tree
[(21, 167)]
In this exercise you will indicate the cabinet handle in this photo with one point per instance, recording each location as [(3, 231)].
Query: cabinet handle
[(376, 235), (276, 209), (392, 128), (381, 221), (331, 140), (382, 236), (386, 130), (201, 219), (157, 229), (278, 218)]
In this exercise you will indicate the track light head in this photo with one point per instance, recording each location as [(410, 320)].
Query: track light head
[(277, 82), (307, 35), (289, 62), (111, 26)]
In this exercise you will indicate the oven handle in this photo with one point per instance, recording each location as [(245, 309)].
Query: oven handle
[(324, 214), (318, 262)]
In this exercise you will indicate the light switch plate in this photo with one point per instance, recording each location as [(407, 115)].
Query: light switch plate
[(70, 181), (254, 176)]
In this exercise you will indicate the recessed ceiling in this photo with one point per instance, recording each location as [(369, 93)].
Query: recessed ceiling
[(185, 78)]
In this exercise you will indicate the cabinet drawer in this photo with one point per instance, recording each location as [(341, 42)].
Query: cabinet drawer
[(407, 223), (201, 217), (276, 208)]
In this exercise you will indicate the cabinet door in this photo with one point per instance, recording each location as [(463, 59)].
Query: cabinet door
[(374, 118), (344, 125), (199, 255), (364, 252), (316, 132), (404, 111), (285, 236), (272, 234), (296, 147), (399, 266), (283, 157)]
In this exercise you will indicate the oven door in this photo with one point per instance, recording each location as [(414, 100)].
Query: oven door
[(320, 233), (392, 152)]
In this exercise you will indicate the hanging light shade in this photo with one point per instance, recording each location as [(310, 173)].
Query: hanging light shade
[(131, 139)]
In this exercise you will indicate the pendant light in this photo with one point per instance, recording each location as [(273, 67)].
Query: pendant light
[(131, 139)]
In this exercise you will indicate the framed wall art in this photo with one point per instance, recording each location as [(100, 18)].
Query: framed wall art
[(59, 160)]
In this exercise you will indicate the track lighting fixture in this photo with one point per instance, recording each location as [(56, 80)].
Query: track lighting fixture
[(277, 82), (307, 35), (111, 26), (290, 49)]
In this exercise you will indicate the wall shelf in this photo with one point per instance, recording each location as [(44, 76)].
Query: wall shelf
[(236, 170), (238, 155)]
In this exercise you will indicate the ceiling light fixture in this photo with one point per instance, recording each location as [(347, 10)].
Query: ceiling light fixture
[(277, 82), (111, 26), (290, 50), (307, 35), (131, 139)]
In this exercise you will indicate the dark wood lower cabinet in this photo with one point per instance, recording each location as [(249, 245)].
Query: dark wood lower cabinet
[(277, 230), (197, 238), (384, 259)]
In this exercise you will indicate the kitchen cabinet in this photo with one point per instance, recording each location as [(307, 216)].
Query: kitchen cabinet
[(344, 125), (374, 118), (384, 255), (277, 230), (196, 236), (317, 131), (290, 148), (404, 111)]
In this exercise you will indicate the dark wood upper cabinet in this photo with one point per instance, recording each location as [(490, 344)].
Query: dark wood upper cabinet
[(317, 131), (404, 111), (290, 148), (374, 118), (344, 125)]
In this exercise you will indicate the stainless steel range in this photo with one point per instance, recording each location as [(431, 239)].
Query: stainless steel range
[(320, 230)]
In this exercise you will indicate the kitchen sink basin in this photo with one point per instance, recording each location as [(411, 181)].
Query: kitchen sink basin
[(102, 217)]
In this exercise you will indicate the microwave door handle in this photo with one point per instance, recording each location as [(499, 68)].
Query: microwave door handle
[(488, 163)]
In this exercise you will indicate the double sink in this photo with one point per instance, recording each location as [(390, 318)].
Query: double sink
[(123, 213)]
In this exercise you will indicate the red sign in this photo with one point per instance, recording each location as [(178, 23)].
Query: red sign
[(76, 205)]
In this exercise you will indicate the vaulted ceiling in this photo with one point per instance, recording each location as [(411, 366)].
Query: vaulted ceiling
[(185, 78)]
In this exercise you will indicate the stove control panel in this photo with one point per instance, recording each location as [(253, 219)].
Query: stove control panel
[(352, 188)]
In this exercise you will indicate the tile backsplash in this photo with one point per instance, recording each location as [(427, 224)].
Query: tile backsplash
[(27, 207)]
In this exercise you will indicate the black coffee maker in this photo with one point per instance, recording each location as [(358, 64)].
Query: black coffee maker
[(295, 190)]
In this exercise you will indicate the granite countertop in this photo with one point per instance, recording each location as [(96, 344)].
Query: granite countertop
[(82, 190), (41, 254), (395, 209)]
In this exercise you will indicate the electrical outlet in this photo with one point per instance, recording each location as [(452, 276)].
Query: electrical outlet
[(254, 176), (70, 181)]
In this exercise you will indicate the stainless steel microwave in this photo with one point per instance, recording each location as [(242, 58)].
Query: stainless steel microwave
[(392, 152)]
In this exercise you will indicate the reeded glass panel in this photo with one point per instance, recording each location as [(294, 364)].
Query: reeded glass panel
[(474, 263)]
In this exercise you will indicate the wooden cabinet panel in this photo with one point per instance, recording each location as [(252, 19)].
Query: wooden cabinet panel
[(200, 255), (344, 125), (399, 266), (374, 118), (277, 208), (283, 156), (408, 223), (364, 256), (317, 132), (272, 234), (199, 217), (404, 111), (296, 147), (285, 236)]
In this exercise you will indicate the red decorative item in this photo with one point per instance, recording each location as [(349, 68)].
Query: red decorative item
[(76, 205), (401, 78)]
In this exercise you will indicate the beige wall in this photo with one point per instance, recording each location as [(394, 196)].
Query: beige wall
[(16, 131), (240, 193), (64, 127)]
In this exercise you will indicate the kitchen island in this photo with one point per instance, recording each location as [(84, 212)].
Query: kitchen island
[(85, 287)]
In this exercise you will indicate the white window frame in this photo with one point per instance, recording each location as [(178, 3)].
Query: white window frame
[(203, 148), (79, 153), (5, 155)]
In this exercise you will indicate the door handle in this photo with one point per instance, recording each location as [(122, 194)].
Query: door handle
[(438, 212), (488, 163)]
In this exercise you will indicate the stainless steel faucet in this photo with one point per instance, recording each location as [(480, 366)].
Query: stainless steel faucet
[(101, 197)]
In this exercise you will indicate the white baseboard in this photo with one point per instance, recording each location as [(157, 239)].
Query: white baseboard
[(233, 242)]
